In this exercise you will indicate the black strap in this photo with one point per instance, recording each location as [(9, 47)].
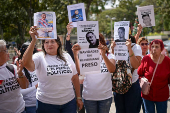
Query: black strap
[(10, 68)]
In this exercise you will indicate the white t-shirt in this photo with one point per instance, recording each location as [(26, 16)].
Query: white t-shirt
[(29, 94), (54, 78), (98, 86), (137, 52), (11, 100)]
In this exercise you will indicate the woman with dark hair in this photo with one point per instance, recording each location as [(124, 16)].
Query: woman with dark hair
[(56, 72), (130, 102), (97, 88), (159, 91), (29, 94)]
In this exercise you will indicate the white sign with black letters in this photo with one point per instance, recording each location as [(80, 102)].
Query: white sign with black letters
[(146, 16), (88, 39), (121, 34)]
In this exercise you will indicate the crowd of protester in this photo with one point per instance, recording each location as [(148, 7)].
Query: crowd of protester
[(34, 85)]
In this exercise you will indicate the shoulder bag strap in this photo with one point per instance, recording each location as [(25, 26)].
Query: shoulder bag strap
[(155, 69)]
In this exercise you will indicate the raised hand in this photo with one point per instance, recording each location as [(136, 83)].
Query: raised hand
[(33, 32), (139, 28), (102, 49), (76, 49), (128, 43), (69, 27)]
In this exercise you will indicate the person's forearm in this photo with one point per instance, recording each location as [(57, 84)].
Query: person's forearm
[(137, 35), (75, 81), (27, 57), (27, 90), (110, 66), (77, 63), (133, 60), (23, 82)]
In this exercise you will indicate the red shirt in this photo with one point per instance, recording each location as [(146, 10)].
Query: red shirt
[(159, 90)]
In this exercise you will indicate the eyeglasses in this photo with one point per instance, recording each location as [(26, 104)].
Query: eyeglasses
[(142, 44)]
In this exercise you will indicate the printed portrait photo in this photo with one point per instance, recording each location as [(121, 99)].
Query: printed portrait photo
[(45, 25), (76, 15), (121, 34), (93, 41), (146, 19)]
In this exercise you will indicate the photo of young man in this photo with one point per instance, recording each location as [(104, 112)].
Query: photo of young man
[(44, 27), (91, 38), (77, 16), (121, 33), (147, 20)]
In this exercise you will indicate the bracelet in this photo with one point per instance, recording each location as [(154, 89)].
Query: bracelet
[(68, 34), (21, 76), (131, 55), (79, 98)]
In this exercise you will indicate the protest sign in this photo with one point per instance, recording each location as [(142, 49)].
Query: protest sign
[(88, 39), (76, 13), (121, 34), (46, 24), (146, 16)]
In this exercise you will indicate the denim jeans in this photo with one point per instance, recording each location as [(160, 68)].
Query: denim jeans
[(69, 107), (101, 106), (129, 102), (31, 109), (161, 107)]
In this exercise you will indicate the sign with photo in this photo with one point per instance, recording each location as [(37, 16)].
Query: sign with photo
[(88, 34), (121, 34), (76, 13), (46, 24), (88, 39), (146, 16)]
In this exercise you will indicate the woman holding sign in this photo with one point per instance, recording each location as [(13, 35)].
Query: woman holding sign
[(56, 72), (97, 88), (130, 101)]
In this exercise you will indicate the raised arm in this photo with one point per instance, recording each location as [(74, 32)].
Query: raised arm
[(134, 60), (75, 50), (68, 43), (27, 57), (110, 63), (113, 44), (22, 80), (139, 30)]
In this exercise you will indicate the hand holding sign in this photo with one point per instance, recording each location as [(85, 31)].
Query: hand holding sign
[(113, 44), (33, 32), (102, 49), (139, 27), (69, 27), (76, 48), (128, 43)]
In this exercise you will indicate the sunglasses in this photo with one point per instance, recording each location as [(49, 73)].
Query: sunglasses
[(142, 44)]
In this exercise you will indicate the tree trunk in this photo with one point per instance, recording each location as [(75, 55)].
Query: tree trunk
[(87, 8)]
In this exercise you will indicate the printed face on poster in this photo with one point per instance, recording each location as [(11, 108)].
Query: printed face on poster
[(121, 34), (46, 24), (146, 16), (88, 34), (76, 13), (88, 39)]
